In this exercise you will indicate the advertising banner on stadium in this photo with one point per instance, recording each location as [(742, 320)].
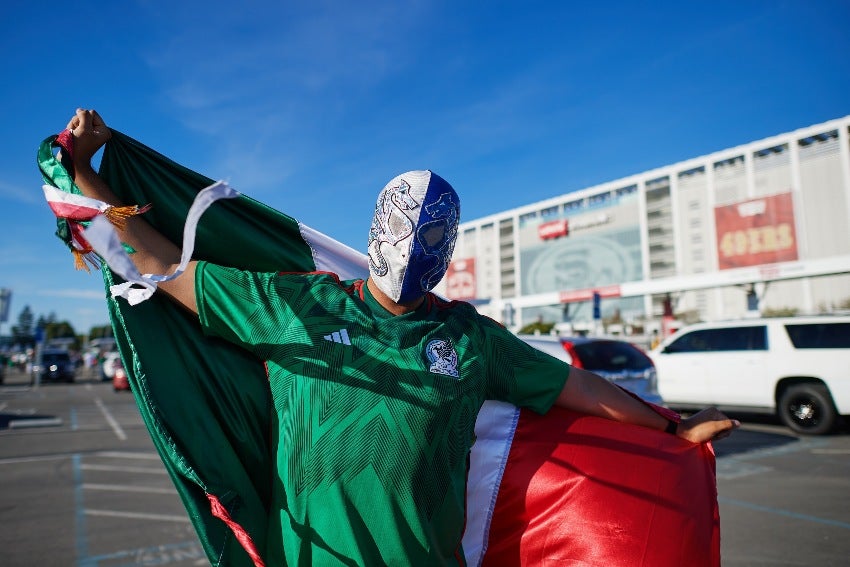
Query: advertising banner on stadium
[(756, 231), (460, 279), (589, 244)]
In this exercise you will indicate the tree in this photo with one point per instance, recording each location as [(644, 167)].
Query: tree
[(780, 312), (537, 326), (61, 330), (100, 332), (22, 333)]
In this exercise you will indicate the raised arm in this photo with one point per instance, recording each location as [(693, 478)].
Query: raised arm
[(154, 254), (591, 394)]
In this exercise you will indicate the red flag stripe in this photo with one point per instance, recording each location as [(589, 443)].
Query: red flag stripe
[(72, 206), (585, 490), (72, 212)]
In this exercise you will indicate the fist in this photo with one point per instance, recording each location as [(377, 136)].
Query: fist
[(708, 425), (90, 133)]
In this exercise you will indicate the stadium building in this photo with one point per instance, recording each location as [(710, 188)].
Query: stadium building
[(762, 226)]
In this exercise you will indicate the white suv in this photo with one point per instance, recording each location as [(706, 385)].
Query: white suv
[(796, 367)]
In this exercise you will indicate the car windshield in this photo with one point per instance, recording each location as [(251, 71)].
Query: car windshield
[(54, 357), (611, 356)]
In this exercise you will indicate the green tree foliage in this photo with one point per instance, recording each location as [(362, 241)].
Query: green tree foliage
[(532, 328), (100, 332), (23, 332), (61, 330), (780, 312)]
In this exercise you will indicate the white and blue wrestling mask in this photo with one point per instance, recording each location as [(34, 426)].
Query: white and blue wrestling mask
[(413, 234)]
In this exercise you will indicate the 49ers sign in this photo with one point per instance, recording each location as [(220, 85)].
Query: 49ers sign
[(755, 232), (553, 229)]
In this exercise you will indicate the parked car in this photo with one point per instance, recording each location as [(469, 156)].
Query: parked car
[(618, 361), (795, 367), (119, 375), (55, 365), (107, 366)]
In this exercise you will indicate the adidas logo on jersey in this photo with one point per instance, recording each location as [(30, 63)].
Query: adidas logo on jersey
[(340, 336)]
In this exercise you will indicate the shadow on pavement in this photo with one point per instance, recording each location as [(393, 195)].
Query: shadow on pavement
[(762, 431), (18, 421)]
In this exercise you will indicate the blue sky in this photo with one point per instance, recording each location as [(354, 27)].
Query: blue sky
[(312, 106)]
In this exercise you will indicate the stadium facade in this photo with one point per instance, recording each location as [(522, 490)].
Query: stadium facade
[(765, 225)]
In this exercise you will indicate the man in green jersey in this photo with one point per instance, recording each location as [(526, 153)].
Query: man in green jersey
[(376, 384)]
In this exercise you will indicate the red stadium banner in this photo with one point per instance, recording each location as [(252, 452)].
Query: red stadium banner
[(576, 295), (553, 229), (460, 280), (757, 231)]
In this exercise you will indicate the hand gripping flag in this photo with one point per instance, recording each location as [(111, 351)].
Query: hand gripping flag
[(562, 488)]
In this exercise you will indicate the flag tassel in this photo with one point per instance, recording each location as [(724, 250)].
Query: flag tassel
[(118, 215)]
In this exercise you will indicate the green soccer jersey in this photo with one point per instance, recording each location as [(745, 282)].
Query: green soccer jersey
[(374, 414)]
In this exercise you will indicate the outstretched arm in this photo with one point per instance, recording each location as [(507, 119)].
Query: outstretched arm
[(591, 394), (154, 254)]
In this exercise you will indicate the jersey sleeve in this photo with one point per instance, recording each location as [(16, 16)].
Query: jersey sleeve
[(245, 308), (519, 373)]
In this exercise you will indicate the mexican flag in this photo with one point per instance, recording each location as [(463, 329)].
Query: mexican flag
[(556, 489)]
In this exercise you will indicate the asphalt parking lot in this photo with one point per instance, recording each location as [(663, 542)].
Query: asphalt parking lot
[(784, 499), (82, 485)]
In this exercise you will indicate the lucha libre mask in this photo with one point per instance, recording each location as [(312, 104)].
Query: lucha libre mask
[(413, 234)]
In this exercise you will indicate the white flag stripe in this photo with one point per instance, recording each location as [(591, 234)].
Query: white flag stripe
[(54, 195), (104, 240), (332, 256), (494, 432)]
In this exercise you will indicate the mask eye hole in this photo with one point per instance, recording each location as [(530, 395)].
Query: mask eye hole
[(434, 235), (398, 225)]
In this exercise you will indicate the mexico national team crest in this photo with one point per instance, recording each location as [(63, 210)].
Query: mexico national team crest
[(442, 357)]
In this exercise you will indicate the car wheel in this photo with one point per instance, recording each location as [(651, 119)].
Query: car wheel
[(808, 409)]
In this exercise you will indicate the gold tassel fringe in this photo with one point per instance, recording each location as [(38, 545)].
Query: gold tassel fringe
[(118, 215), (82, 259)]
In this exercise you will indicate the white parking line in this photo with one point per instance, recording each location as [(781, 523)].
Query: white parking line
[(28, 411), (129, 488), (30, 423), (127, 455), (110, 468), (137, 516), (18, 460), (16, 389), (113, 423)]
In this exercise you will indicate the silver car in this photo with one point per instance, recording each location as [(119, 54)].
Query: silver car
[(617, 361)]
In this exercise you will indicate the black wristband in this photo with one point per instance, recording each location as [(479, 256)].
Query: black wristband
[(672, 427)]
